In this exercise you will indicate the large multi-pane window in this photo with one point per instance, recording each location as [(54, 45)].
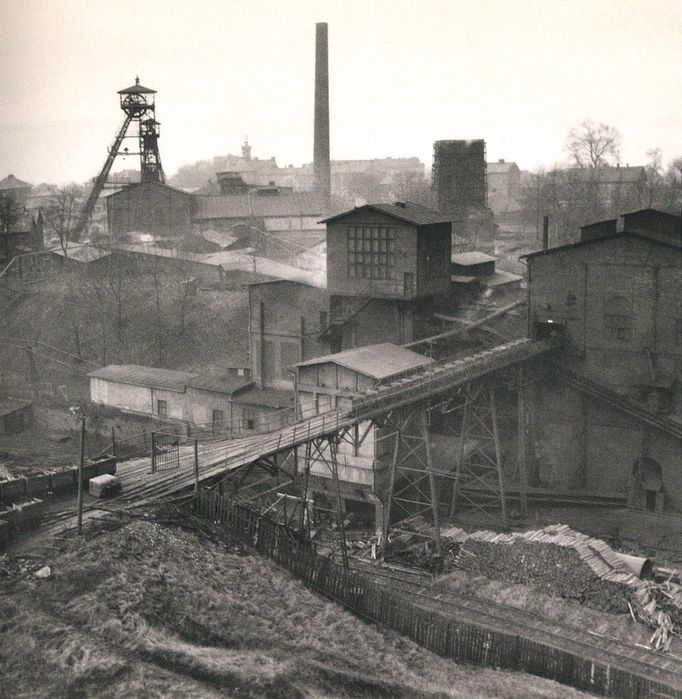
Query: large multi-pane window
[(371, 252)]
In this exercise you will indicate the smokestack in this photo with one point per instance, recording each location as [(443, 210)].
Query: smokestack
[(321, 164), (545, 232)]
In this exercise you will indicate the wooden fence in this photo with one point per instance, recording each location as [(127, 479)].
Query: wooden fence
[(437, 631)]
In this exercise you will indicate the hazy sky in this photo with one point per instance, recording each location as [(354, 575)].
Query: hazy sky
[(518, 73)]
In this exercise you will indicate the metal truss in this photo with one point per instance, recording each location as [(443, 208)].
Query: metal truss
[(412, 487), (478, 479)]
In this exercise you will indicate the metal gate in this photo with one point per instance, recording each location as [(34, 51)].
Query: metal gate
[(165, 451)]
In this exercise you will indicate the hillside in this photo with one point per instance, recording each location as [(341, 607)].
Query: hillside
[(159, 610), (159, 324)]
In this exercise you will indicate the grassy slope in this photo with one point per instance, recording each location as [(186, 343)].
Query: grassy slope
[(216, 326), (152, 610)]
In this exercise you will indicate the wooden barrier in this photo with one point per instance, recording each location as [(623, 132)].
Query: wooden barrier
[(439, 632)]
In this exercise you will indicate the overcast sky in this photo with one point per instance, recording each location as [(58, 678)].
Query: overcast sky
[(402, 74)]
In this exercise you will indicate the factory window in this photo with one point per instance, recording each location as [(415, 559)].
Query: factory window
[(371, 252), (617, 319), (249, 415), (161, 407), (217, 417)]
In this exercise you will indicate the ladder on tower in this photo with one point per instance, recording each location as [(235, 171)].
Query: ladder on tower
[(101, 179)]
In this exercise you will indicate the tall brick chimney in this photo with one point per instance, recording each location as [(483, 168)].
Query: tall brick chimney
[(321, 164)]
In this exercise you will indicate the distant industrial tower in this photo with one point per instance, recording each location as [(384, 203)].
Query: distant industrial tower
[(138, 103), (459, 176), (321, 162)]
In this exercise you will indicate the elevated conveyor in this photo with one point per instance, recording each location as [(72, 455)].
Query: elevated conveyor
[(616, 400), (218, 457)]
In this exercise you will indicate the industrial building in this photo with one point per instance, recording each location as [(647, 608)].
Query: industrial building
[(460, 193), (150, 207), (331, 382), (611, 424), (223, 401), (385, 263)]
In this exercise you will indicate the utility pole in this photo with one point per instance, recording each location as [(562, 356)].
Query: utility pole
[(77, 412)]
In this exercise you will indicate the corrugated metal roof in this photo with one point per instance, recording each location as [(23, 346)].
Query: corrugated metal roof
[(137, 375), (380, 361), (472, 258), (404, 211)]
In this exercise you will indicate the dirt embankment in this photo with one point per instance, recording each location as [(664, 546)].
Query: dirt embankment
[(155, 610)]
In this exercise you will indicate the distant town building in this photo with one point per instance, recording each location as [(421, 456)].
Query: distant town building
[(16, 188), (377, 179), (504, 187)]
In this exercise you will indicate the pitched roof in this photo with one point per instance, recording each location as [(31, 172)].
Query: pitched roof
[(136, 89), (12, 182), (472, 258), (249, 205), (404, 211), (376, 361), (146, 185), (221, 382), (137, 375)]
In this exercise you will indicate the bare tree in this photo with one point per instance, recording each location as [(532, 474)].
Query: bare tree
[(593, 145), (654, 175), (10, 213), (61, 214)]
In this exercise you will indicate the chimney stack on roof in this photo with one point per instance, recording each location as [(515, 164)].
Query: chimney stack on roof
[(321, 162)]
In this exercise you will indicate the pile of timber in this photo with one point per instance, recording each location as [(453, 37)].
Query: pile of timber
[(572, 565), (413, 544)]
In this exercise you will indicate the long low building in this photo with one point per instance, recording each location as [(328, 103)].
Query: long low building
[(225, 400)]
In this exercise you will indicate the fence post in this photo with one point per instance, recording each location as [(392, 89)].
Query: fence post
[(196, 466)]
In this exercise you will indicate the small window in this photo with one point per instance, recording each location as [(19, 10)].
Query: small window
[(161, 407), (617, 319), (323, 319), (217, 417), (249, 415)]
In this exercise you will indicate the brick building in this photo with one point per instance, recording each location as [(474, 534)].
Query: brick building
[(150, 207), (618, 295)]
